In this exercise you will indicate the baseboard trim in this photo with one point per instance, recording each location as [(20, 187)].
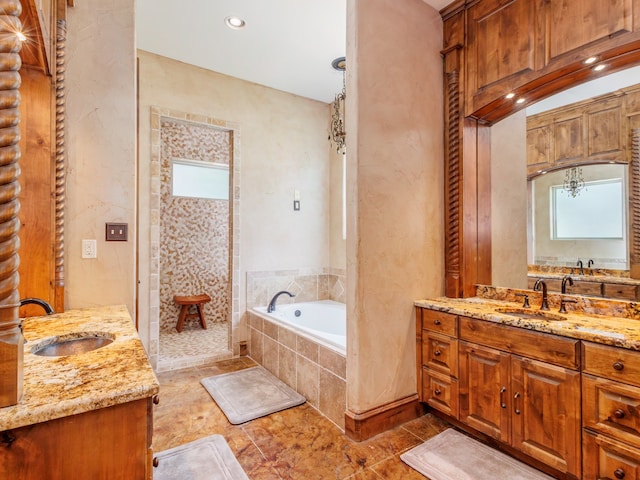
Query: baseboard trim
[(360, 426)]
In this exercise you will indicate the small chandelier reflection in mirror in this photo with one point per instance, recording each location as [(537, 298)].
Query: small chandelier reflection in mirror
[(337, 135), (573, 181)]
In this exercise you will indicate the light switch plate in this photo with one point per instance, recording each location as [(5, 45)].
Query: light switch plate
[(116, 232)]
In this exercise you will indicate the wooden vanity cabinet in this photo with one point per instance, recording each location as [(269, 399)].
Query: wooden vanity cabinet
[(517, 386), (111, 443), (611, 412), (532, 402)]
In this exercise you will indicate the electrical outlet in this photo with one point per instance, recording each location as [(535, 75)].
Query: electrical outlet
[(89, 249)]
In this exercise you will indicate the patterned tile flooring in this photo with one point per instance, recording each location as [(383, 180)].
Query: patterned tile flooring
[(194, 346), (298, 443)]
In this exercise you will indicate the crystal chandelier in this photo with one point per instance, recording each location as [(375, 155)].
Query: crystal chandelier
[(337, 135), (573, 181)]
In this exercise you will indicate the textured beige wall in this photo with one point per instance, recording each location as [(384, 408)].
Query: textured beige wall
[(101, 146), (283, 147), (395, 195), (509, 201)]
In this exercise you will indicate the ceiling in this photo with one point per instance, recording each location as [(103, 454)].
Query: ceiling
[(287, 44)]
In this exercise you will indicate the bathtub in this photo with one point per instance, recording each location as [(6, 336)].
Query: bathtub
[(324, 321)]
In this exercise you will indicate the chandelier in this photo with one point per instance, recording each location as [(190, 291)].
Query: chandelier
[(573, 181), (337, 135)]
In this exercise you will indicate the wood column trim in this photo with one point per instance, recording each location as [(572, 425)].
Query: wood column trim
[(453, 180), (60, 164), (634, 205), (360, 426), (11, 339)]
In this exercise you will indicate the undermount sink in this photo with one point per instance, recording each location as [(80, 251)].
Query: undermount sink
[(531, 314), (72, 344)]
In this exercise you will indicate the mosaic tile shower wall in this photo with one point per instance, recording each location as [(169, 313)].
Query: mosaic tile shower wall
[(194, 232)]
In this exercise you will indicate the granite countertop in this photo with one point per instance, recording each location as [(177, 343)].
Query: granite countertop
[(56, 387), (608, 330)]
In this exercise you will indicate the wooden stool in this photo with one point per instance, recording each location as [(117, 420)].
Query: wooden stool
[(188, 301)]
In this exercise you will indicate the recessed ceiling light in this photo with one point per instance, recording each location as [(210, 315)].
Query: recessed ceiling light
[(509, 96), (234, 22), (520, 100), (600, 67), (590, 60), (21, 36)]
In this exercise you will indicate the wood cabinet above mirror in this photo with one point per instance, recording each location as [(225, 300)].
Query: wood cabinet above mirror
[(485, 58)]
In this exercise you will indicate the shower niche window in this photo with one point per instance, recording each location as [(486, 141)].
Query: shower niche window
[(194, 179)]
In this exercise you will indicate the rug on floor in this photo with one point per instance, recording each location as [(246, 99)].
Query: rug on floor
[(250, 393), (451, 455), (208, 458)]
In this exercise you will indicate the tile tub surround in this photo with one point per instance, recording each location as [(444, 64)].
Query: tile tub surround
[(307, 285), (56, 387), (310, 369), (608, 330)]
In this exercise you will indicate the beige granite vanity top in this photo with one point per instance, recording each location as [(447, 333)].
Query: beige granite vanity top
[(56, 387), (609, 330)]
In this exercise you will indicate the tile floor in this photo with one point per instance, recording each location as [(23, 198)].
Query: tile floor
[(194, 346), (298, 443)]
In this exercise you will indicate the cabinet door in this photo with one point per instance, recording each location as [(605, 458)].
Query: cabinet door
[(484, 390), (546, 413)]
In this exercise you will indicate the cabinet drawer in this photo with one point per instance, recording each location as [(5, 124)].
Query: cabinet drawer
[(545, 347), (612, 408), (603, 458), (440, 353), (611, 362), (585, 288), (440, 392), (440, 322), (616, 290)]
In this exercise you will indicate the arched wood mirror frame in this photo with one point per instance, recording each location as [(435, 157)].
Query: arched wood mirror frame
[(472, 105)]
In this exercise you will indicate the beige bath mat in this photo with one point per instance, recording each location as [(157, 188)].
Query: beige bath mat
[(250, 393), (208, 458), (451, 455)]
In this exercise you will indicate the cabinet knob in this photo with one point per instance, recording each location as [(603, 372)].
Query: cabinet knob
[(155, 399), (156, 462), (618, 366), (619, 413), (437, 353), (8, 438), (437, 391), (618, 473), (437, 322)]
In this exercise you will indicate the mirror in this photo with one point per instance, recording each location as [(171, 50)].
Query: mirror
[(515, 191), (580, 213)]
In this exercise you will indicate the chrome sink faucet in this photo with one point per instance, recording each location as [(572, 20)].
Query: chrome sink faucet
[(541, 283), (272, 303)]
